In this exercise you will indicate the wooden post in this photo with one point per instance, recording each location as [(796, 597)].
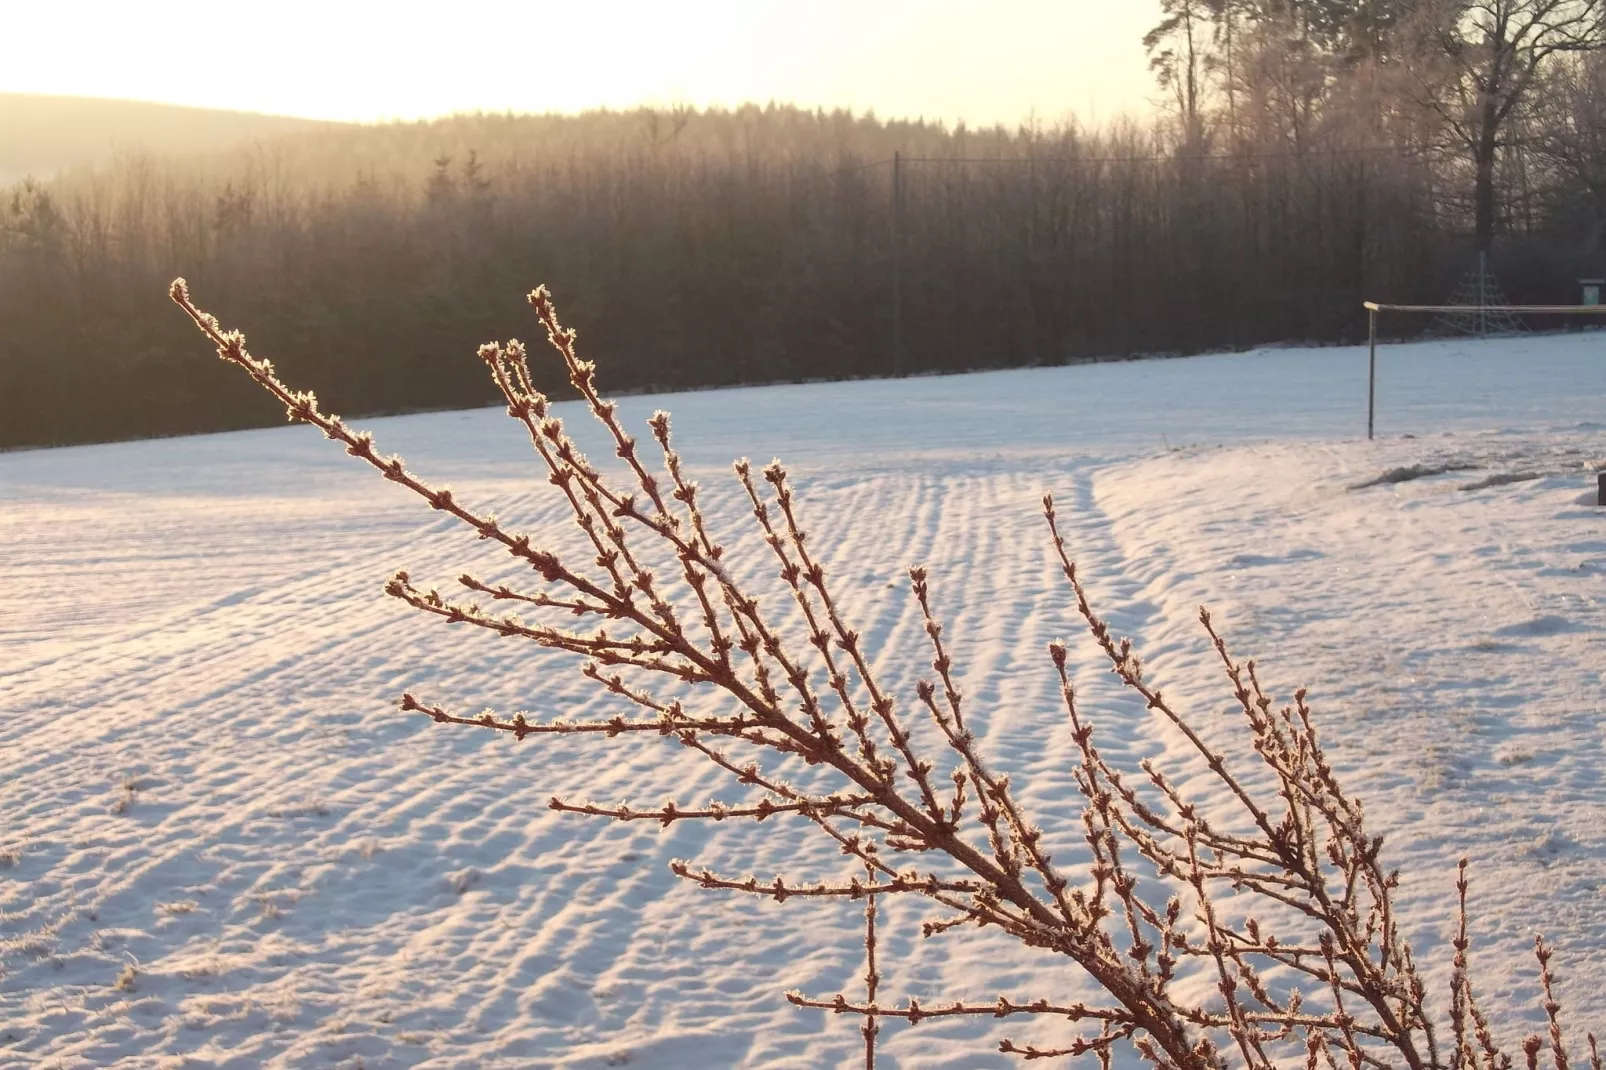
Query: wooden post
[(1371, 367), (1600, 497), (897, 264)]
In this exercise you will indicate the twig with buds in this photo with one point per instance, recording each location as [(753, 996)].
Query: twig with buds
[(657, 620)]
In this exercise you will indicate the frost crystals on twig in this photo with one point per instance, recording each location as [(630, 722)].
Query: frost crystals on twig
[(1278, 899)]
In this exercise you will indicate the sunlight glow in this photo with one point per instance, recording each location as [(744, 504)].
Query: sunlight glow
[(968, 60)]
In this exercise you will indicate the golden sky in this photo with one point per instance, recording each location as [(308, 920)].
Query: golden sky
[(343, 59)]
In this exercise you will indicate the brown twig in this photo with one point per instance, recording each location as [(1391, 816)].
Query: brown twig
[(658, 622)]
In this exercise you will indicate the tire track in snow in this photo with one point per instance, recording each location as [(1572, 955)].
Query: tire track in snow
[(364, 884)]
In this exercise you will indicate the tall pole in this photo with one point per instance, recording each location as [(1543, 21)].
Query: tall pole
[(897, 264), (1371, 367), (1483, 294)]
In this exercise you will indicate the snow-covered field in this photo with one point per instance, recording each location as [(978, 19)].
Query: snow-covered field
[(223, 846)]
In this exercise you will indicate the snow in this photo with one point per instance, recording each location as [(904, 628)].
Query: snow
[(224, 846)]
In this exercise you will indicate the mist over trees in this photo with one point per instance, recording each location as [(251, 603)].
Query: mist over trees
[(41, 135), (1314, 153), (1490, 93)]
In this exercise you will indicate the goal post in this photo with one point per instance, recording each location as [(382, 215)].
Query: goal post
[(1375, 308)]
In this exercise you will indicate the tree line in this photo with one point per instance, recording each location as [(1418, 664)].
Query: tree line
[(1302, 169), (1503, 96)]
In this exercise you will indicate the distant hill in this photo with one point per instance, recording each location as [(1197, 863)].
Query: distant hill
[(45, 135)]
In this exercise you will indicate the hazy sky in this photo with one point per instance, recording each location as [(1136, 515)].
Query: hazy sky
[(342, 59)]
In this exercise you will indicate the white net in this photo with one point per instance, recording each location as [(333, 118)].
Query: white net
[(1478, 306)]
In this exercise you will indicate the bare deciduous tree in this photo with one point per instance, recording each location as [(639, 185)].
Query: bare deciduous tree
[(1478, 62), (1571, 129)]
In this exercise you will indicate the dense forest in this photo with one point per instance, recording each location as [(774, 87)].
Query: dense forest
[(1315, 153)]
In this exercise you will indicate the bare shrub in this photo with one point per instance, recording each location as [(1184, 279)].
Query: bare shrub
[(1285, 882), (129, 795)]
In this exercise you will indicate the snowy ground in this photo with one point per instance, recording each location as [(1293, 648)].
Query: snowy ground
[(209, 795)]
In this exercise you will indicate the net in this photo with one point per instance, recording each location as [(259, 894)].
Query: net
[(1484, 315)]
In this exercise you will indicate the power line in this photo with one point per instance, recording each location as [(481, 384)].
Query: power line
[(1281, 154), (1399, 150), (821, 177)]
